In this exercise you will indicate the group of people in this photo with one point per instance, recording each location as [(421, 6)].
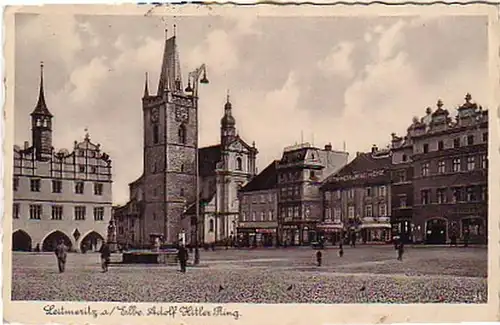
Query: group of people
[(61, 252), (399, 246)]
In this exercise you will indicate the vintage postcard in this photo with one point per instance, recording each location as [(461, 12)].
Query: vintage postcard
[(258, 165)]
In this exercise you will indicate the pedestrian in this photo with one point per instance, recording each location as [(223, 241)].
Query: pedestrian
[(61, 254), (466, 238), (341, 249), (105, 256), (182, 256), (319, 256), (401, 251)]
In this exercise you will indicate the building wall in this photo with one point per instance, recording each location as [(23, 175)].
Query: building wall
[(85, 164)]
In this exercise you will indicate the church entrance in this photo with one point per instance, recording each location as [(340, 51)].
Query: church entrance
[(436, 233)]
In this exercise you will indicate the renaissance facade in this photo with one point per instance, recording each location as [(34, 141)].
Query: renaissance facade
[(59, 195)]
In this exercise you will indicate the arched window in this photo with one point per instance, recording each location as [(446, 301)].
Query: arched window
[(182, 134), (156, 136), (239, 164), (211, 225)]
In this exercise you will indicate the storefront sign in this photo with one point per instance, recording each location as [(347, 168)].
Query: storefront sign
[(356, 176), (266, 231)]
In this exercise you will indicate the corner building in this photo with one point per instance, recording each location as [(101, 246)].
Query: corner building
[(300, 171), (59, 195), (450, 174)]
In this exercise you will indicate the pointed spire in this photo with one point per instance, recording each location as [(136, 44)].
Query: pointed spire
[(170, 76), (41, 106), (146, 86)]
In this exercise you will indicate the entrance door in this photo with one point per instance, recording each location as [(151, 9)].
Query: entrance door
[(436, 231)]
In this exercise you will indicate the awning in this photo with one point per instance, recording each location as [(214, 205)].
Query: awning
[(376, 225)]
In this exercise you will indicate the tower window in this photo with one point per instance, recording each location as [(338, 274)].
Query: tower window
[(182, 192), (182, 134), (182, 167), (239, 164), (155, 134)]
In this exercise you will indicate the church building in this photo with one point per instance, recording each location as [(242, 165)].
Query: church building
[(163, 200), (59, 195)]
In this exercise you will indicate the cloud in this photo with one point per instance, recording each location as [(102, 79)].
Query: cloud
[(339, 60), (53, 35), (389, 39), (87, 79), (217, 50)]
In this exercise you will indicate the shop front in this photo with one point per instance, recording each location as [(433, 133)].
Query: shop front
[(376, 233), (331, 233), (403, 230), (256, 237)]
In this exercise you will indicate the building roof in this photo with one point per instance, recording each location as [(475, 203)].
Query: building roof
[(208, 159), (363, 163), (265, 180)]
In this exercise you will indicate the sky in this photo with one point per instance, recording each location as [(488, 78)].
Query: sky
[(320, 79)]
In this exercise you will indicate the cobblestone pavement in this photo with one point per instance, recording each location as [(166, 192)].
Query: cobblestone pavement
[(426, 275)]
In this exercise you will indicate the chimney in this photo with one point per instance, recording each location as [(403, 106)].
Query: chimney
[(26, 145), (328, 147), (374, 148)]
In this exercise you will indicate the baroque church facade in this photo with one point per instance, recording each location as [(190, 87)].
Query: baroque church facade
[(163, 199), (59, 195)]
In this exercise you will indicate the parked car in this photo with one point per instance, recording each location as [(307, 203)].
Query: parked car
[(317, 245)]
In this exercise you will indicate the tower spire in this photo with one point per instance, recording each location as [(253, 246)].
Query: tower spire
[(170, 75), (146, 86), (41, 106)]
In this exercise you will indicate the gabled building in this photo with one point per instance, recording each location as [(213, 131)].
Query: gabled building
[(357, 199), (450, 174), (301, 170), (258, 222), (59, 195)]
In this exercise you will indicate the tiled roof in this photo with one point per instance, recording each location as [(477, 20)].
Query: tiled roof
[(364, 162), (267, 179)]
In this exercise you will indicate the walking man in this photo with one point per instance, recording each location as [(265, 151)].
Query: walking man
[(105, 256), (183, 256), (61, 254), (319, 257), (401, 251)]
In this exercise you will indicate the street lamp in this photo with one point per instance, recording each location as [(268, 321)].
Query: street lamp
[(194, 77)]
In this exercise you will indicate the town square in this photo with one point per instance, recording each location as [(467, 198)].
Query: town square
[(150, 167), (426, 275)]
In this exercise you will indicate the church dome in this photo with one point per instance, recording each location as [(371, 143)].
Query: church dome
[(227, 119)]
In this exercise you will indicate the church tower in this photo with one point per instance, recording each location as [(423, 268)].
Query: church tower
[(227, 125), (41, 125), (170, 145)]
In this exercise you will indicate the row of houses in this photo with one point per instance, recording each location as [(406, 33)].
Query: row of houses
[(427, 186)]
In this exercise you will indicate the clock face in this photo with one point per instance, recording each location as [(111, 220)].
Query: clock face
[(155, 114), (181, 114)]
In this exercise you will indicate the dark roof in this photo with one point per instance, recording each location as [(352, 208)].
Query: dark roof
[(209, 157), (41, 106), (364, 162), (267, 179)]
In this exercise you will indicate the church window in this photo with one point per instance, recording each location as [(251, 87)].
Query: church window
[(182, 134), (182, 192), (155, 134), (182, 167), (211, 225), (239, 164)]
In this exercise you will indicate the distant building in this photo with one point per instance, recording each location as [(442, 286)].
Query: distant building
[(59, 195), (301, 170), (258, 222), (357, 199), (163, 200), (402, 188), (450, 174)]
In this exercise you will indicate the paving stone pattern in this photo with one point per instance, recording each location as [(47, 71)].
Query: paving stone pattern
[(426, 275)]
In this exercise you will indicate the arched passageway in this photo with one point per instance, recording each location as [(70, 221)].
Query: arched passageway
[(21, 241), (91, 242), (50, 242), (436, 232)]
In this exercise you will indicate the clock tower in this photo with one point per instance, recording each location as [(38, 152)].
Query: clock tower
[(170, 145)]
